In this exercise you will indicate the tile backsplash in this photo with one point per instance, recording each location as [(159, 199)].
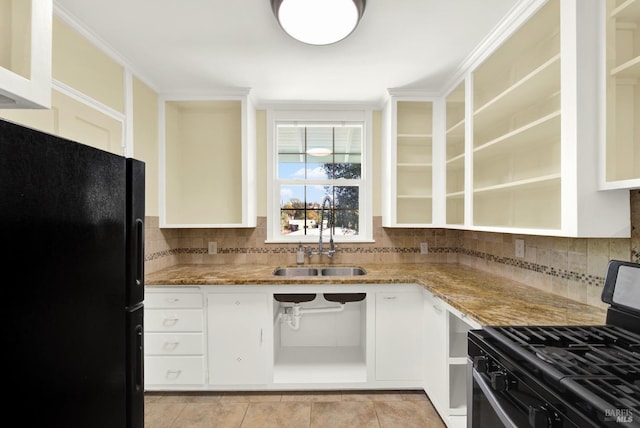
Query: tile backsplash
[(571, 267)]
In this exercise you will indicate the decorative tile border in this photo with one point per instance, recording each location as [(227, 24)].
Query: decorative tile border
[(535, 267), (584, 278)]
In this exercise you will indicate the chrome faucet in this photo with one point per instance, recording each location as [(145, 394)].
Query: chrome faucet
[(332, 248)]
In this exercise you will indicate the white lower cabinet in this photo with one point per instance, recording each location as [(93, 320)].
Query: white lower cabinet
[(445, 380), (234, 338), (238, 353), (435, 353), (398, 336), (174, 338)]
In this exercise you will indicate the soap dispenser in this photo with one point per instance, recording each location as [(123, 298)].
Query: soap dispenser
[(300, 255)]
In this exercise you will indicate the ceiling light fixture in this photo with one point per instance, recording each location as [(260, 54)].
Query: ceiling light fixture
[(319, 151), (318, 22)]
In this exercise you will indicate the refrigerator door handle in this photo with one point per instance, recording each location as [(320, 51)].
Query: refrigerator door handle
[(139, 252), (139, 358)]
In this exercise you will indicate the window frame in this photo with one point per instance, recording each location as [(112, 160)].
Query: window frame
[(324, 115)]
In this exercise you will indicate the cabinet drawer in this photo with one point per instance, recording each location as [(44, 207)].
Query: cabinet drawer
[(173, 300), (174, 370), (173, 320), (173, 344)]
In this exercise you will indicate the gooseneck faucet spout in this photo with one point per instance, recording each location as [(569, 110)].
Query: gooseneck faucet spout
[(332, 249), (325, 201)]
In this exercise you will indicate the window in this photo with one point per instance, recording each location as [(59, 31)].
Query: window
[(316, 163)]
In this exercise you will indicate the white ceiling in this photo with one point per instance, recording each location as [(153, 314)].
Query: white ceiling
[(203, 46)]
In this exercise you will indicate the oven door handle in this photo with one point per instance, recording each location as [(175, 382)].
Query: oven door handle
[(498, 404)]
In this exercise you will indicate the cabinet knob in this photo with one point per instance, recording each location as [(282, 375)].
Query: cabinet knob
[(237, 302), (239, 359)]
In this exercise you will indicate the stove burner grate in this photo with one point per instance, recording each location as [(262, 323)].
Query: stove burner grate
[(600, 363)]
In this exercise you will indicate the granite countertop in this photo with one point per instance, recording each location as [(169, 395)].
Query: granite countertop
[(488, 299)]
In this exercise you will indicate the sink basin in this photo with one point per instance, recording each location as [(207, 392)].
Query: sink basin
[(342, 271), (344, 297), (327, 271), (294, 297), (295, 271)]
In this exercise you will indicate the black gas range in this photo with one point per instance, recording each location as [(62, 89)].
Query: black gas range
[(561, 376)]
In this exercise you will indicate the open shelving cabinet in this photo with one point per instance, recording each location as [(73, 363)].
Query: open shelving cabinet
[(455, 155), (409, 155), (622, 150), (534, 121)]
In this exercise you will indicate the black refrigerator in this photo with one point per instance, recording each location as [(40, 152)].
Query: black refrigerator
[(72, 220)]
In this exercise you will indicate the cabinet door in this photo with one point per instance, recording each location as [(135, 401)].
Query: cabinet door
[(435, 353), (237, 350), (25, 56), (399, 316)]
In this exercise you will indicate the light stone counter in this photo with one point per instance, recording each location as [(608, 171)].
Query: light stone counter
[(486, 298)]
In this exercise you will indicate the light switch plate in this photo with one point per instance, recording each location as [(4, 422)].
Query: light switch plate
[(520, 248), (213, 247), (424, 248)]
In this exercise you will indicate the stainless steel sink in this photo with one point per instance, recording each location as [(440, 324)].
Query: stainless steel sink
[(342, 271), (327, 271), (296, 271)]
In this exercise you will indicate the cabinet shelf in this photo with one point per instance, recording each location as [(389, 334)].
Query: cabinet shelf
[(414, 136), (456, 129), (456, 195), (330, 365), (530, 183), (456, 162), (629, 69), (418, 165), (630, 9), (414, 196), (546, 128), (543, 80)]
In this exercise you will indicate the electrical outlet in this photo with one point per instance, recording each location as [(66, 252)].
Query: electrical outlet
[(213, 247), (424, 248), (520, 248)]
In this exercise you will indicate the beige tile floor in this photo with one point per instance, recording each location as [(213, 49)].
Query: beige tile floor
[(333, 409)]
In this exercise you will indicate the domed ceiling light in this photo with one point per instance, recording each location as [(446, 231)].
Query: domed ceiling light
[(318, 22)]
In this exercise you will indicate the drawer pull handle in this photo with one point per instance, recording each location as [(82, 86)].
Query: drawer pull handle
[(170, 321), (390, 298), (173, 299), (170, 346), (173, 374)]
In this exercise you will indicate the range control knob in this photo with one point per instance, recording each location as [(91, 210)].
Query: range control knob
[(498, 381), (539, 417), (480, 364)]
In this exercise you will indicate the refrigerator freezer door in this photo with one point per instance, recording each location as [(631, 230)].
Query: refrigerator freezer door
[(135, 232)]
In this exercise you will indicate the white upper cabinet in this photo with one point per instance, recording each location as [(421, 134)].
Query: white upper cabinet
[(25, 53), (533, 159), (207, 162), (408, 160), (517, 178), (622, 150), (455, 156)]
